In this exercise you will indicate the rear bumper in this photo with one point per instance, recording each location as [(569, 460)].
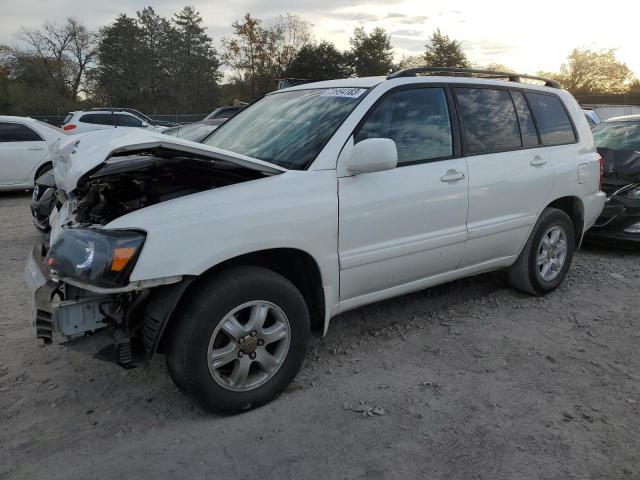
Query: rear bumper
[(593, 205)]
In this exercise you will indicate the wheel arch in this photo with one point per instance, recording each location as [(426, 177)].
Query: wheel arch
[(298, 266), (573, 207)]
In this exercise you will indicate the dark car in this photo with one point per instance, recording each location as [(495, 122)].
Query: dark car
[(618, 142), (197, 131)]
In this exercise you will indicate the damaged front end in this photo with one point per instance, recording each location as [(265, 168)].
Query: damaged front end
[(619, 222), (80, 281)]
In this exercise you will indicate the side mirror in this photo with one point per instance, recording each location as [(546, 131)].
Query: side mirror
[(373, 155)]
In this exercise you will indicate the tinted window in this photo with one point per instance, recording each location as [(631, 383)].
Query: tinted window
[(97, 118), (589, 120), (417, 120), (15, 132), (527, 127), (553, 121), (123, 120), (617, 135), (489, 118), (68, 118)]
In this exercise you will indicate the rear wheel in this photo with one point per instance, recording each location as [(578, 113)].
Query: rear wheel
[(545, 260), (240, 339)]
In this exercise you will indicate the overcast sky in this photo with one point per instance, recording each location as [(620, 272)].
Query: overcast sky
[(527, 36)]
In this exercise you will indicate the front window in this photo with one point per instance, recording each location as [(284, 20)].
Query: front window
[(288, 129), (617, 135)]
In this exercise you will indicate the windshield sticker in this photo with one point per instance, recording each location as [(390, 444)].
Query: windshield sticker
[(344, 92)]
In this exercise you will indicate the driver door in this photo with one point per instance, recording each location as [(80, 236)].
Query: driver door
[(406, 224)]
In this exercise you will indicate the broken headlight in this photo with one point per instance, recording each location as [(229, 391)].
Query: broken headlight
[(103, 258)]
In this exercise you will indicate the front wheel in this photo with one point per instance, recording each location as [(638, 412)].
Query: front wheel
[(545, 260), (239, 340)]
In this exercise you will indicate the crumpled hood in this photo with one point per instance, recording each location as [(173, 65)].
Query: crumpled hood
[(76, 155)]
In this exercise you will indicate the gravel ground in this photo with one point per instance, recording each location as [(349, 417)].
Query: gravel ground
[(475, 381)]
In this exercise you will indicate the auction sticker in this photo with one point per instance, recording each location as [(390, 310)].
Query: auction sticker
[(344, 92)]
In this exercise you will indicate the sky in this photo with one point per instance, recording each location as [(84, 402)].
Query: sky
[(526, 36)]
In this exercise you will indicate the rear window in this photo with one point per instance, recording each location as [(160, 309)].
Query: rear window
[(553, 120), (67, 119), (97, 118), (16, 132), (489, 120), (123, 120)]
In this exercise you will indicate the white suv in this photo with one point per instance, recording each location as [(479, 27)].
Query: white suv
[(314, 200), (87, 121)]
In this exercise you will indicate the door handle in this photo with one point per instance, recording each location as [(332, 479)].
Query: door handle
[(452, 176), (36, 148), (538, 161)]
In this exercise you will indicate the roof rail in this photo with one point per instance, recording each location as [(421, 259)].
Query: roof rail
[(489, 74)]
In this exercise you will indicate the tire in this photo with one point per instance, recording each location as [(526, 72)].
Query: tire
[(201, 330), (530, 276)]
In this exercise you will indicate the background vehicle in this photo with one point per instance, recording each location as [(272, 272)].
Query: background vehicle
[(592, 116), (225, 112), (25, 150), (197, 131), (605, 112), (140, 115), (618, 142), (315, 200), (86, 121)]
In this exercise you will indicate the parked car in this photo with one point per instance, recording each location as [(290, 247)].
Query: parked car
[(605, 112), (618, 141), (140, 115), (25, 150), (197, 131), (592, 117), (314, 200), (86, 121), (225, 112)]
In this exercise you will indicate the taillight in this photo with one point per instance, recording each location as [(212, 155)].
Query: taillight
[(601, 161), (69, 127)]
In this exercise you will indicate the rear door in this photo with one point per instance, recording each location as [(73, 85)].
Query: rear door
[(510, 175), (409, 223), (21, 150)]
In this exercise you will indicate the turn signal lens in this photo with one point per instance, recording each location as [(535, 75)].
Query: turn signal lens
[(121, 257), (601, 161)]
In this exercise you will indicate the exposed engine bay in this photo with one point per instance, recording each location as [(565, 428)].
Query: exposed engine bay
[(130, 182)]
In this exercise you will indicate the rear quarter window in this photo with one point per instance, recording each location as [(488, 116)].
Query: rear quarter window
[(553, 120)]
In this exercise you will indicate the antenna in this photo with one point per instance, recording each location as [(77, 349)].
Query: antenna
[(113, 116)]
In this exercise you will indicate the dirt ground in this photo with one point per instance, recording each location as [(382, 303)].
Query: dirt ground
[(476, 382)]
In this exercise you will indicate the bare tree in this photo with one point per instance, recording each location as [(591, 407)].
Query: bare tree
[(65, 51)]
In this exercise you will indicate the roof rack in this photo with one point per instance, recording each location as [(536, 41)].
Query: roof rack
[(489, 74)]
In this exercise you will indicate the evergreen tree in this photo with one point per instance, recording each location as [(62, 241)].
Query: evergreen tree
[(441, 51), (322, 61), (371, 54)]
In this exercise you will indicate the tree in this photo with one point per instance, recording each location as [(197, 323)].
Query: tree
[(117, 78), (591, 72), (371, 54), (65, 51), (258, 53), (196, 66), (247, 53), (410, 61), (635, 87), (322, 61), (499, 67), (288, 34), (441, 51)]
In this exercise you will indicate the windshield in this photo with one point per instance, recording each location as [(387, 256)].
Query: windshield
[(617, 135), (290, 128)]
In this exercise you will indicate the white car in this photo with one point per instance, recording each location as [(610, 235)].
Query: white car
[(86, 121), (25, 150), (315, 200)]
